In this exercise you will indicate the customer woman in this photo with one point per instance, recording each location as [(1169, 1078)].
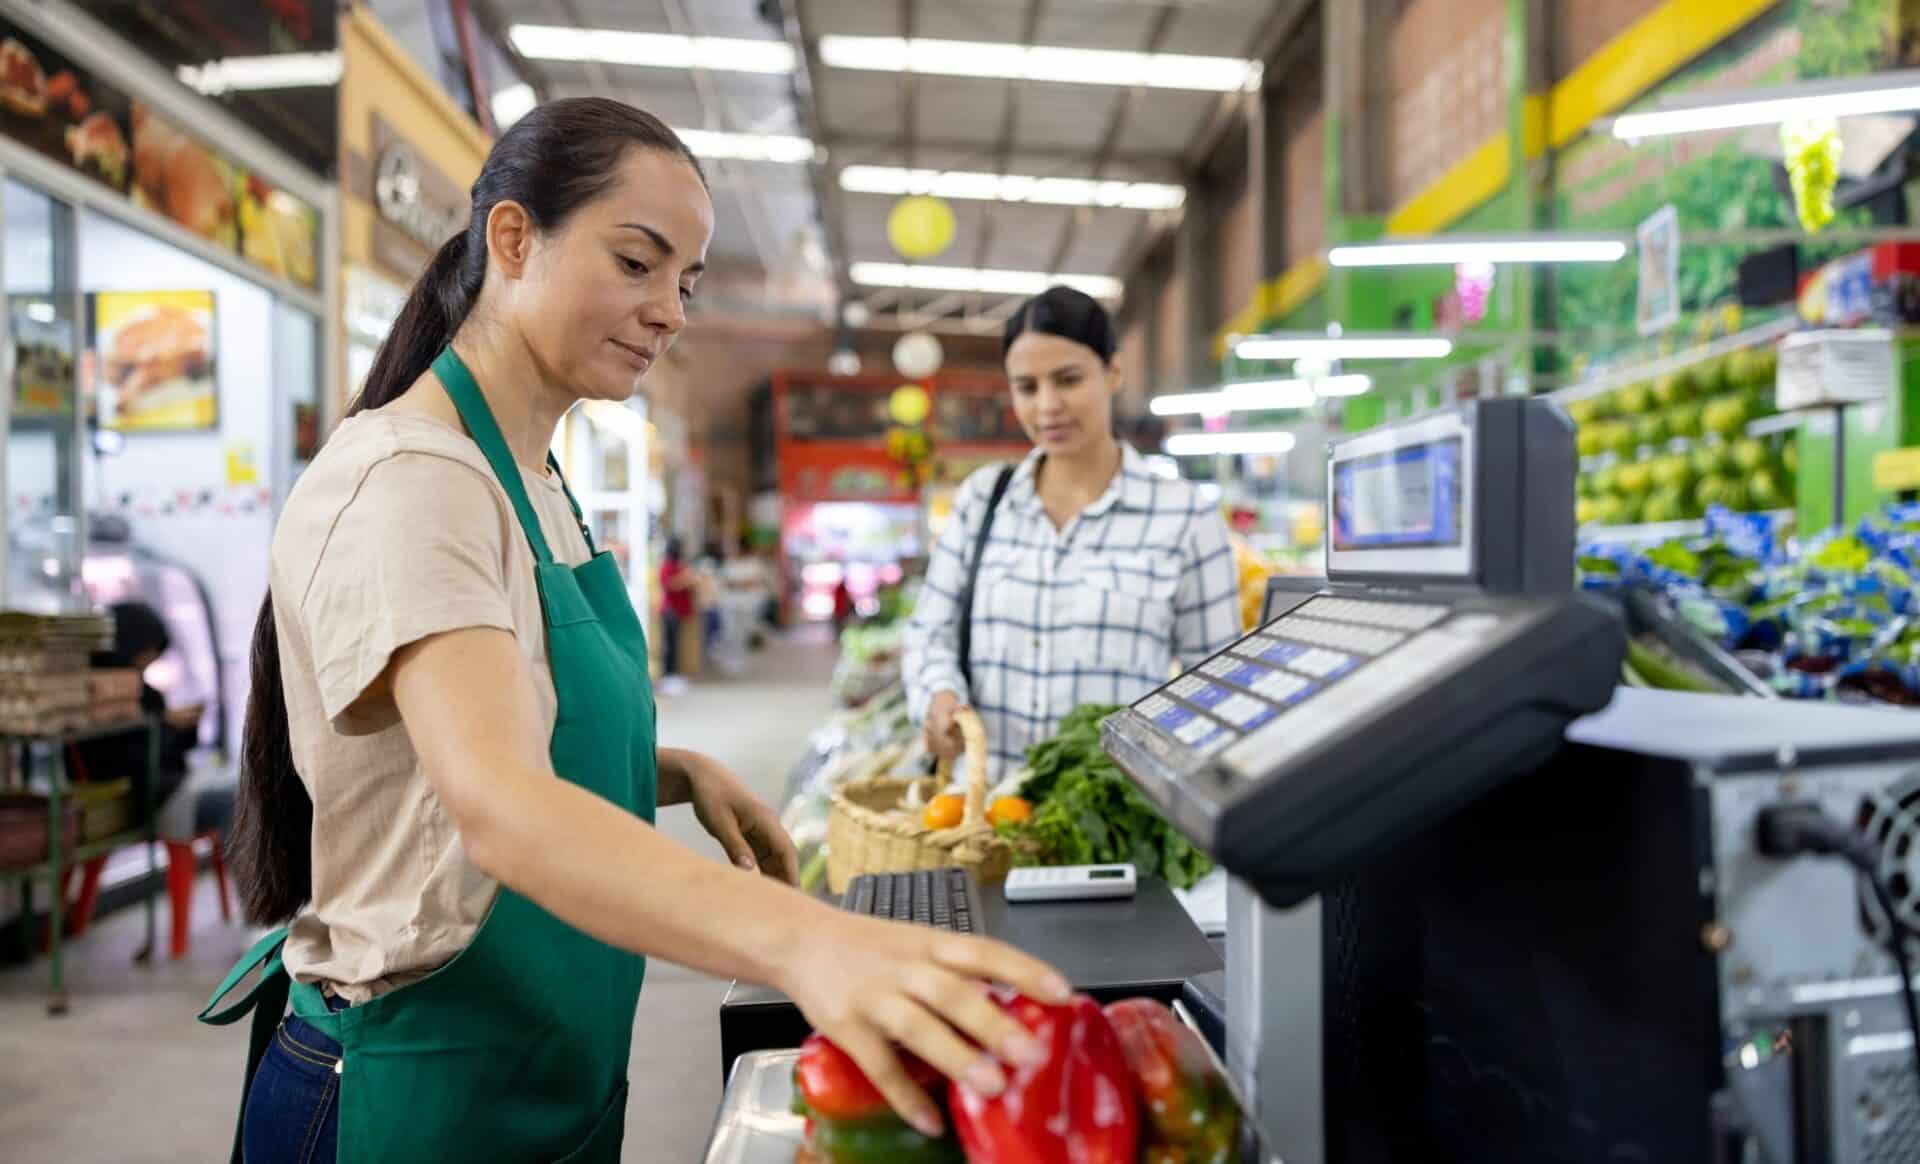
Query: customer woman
[(1094, 575), (451, 768)]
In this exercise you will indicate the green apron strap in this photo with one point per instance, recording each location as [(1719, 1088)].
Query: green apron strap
[(268, 1002), (265, 957), (553, 463), (466, 397)]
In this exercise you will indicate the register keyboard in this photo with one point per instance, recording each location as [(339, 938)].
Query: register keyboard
[(1327, 733), (946, 899)]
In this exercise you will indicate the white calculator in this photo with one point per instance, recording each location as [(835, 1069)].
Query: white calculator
[(1070, 883)]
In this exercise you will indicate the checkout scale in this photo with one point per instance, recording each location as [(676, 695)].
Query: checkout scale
[(1472, 921)]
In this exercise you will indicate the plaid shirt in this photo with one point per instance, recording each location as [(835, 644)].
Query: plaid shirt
[(1097, 612)]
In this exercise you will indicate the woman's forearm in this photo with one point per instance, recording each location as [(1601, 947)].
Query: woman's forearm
[(634, 887)]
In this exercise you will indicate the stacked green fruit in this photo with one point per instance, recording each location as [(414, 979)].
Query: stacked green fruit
[(1634, 400), (1683, 420), (1726, 416), (1674, 472), (1651, 430), (1672, 389)]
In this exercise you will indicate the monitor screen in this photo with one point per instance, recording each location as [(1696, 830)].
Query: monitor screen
[(1403, 499), (1400, 499)]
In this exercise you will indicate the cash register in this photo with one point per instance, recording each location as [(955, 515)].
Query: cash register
[(1447, 650), (1487, 908)]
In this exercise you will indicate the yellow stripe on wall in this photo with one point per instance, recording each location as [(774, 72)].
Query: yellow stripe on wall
[(1481, 175), (1648, 52)]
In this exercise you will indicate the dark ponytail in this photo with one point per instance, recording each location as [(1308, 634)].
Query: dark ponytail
[(554, 160)]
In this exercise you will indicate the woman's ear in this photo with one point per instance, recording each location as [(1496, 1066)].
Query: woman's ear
[(1116, 379), (509, 238)]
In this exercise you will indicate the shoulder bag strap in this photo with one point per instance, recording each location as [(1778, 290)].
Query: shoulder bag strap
[(1000, 484)]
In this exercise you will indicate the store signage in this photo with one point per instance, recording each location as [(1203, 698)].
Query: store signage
[(51, 106), (1657, 304), (413, 200), (1897, 471)]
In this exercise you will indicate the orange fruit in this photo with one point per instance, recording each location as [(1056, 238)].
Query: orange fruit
[(945, 811), (1009, 810)]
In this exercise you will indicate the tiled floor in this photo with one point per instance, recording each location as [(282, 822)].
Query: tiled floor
[(129, 1076)]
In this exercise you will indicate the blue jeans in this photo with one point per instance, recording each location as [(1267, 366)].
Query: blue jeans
[(293, 1104)]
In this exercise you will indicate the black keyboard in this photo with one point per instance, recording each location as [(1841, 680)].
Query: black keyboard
[(946, 899)]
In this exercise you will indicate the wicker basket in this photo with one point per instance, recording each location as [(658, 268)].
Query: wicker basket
[(867, 832)]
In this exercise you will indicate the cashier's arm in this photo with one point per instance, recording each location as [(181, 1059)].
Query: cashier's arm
[(468, 702)]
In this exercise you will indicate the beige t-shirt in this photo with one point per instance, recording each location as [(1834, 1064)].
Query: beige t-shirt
[(396, 532)]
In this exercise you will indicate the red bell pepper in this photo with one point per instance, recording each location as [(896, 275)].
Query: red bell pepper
[(848, 1120), (1190, 1114), (1077, 1107)]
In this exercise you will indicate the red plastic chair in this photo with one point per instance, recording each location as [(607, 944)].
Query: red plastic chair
[(182, 867)]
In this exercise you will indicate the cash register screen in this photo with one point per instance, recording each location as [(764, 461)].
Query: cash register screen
[(1401, 500)]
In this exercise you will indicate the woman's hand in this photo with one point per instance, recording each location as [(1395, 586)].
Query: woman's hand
[(872, 986), (746, 828), (941, 732)]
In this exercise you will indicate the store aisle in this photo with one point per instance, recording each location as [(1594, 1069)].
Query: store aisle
[(129, 1076)]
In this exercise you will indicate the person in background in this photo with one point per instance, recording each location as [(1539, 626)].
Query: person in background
[(843, 609), (140, 637), (677, 584), (749, 587), (1096, 576)]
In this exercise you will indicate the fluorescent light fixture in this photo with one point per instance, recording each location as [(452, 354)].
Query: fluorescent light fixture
[(657, 50), (1014, 62), (278, 71), (1853, 97), (512, 103), (1214, 444), (1311, 345), (1448, 252), (989, 280), (1248, 396), (747, 147), (1330, 386), (980, 187)]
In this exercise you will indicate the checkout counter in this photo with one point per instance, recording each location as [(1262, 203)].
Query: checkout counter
[(1487, 909)]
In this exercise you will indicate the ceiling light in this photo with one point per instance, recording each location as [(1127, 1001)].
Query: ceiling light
[(1014, 62), (1855, 97), (1351, 347), (1342, 385), (1448, 252), (1214, 444), (747, 147), (972, 186), (656, 50), (1249, 396), (278, 71), (989, 280), (512, 103)]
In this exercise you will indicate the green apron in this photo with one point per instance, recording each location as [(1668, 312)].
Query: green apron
[(517, 1049)]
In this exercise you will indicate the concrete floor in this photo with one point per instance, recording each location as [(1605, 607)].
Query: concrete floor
[(129, 1076)]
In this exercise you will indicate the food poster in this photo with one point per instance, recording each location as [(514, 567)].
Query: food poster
[(65, 114), (279, 233), (57, 110), (176, 175), (156, 360), (42, 359)]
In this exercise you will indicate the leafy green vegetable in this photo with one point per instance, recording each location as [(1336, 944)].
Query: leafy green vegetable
[(1087, 813), (1677, 557)]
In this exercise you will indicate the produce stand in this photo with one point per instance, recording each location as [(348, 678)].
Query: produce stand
[(1650, 613), (1143, 946), (756, 1123)]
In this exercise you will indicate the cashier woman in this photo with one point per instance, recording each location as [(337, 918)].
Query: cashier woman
[(1095, 575), (451, 768)]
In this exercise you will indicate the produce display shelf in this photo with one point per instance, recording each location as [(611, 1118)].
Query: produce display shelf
[(1760, 429), (1655, 532), (1650, 611), (1653, 369)]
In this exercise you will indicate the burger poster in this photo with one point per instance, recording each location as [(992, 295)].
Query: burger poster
[(63, 112), (156, 360)]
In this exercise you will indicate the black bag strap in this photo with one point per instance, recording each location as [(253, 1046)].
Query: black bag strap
[(1000, 484)]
